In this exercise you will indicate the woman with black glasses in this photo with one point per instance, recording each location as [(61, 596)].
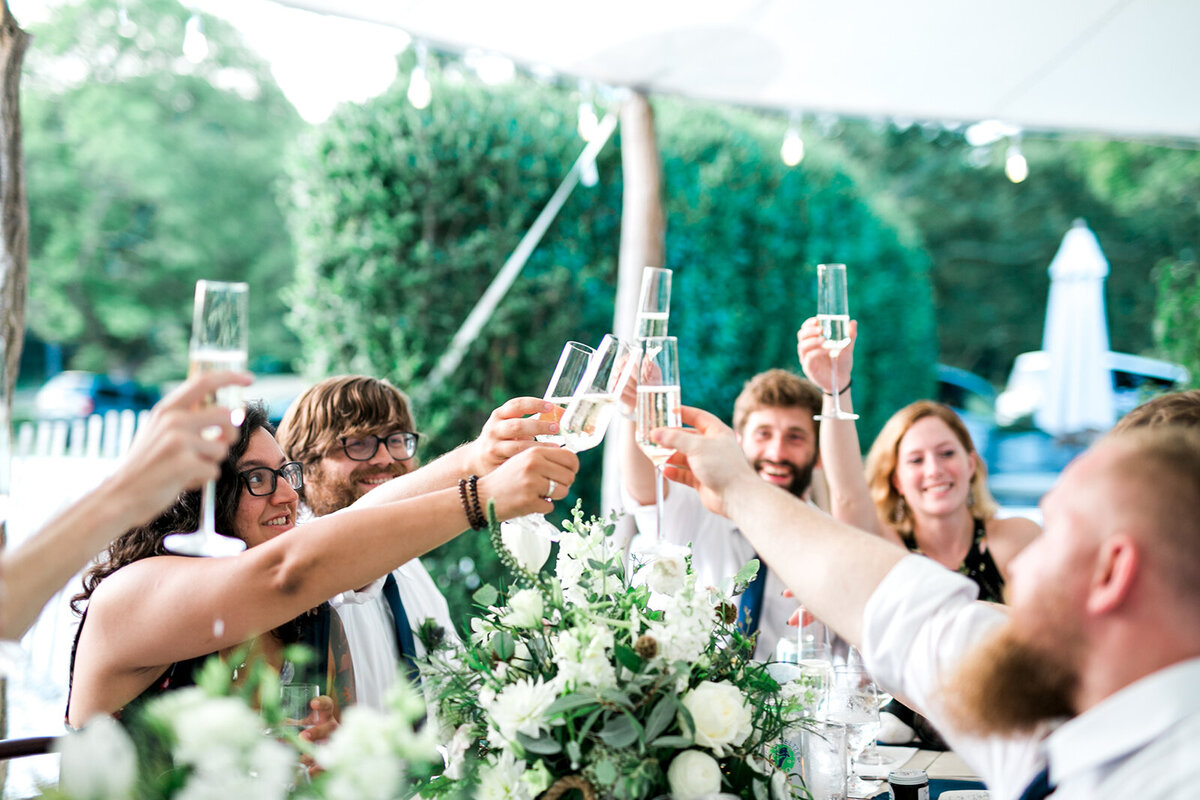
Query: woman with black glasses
[(152, 617)]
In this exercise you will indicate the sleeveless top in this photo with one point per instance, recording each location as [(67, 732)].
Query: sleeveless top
[(313, 630), (977, 565)]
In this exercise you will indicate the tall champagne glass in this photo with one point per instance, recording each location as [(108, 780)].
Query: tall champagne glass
[(654, 302), (833, 312), (572, 363), (586, 417), (220, 341), (658, 406)]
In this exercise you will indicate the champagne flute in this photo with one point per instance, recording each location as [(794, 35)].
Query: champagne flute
[(658, 406), (833, 312), (585, 420), (220, 341), (573, 362), (654, 302)]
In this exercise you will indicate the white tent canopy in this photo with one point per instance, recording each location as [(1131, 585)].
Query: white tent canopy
[(1125, 68)]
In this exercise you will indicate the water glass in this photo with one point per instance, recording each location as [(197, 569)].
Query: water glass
[(822, 762)]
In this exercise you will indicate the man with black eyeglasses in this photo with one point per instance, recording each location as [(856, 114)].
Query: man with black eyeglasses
[(352, 434)]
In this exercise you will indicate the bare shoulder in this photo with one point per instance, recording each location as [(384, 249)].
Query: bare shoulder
[(1009, 536)]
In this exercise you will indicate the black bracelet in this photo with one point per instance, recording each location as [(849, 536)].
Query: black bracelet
[(476, 509), (470, 503), (840, 391)]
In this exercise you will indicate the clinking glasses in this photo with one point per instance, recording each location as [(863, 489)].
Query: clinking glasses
[(401, 446), (262, 481)]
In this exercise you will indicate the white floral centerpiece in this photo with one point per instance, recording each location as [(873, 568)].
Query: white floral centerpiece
[(624, 688)]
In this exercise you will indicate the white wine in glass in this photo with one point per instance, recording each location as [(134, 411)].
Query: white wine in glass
[(220, 341), (572, 363), (589, 412), (654, 302), (659, 401), (833, 312)]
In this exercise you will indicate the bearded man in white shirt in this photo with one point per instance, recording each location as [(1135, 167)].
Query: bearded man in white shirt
[(773, 417), (353, 433), (1087, 685)]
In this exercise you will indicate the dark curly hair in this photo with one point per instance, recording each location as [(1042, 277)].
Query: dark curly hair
[(146, 540)]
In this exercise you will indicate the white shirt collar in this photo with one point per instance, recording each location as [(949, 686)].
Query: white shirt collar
[(1124, 722)]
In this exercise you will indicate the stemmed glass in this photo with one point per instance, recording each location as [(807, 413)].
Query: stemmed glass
[(568, 372), (654, 302), (658, 406), (833, 312), (855, 704), (220, 341)]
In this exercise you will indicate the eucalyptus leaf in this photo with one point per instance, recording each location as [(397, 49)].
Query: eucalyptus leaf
[(543, 746), (660, 717), (620, 732), (486, 595)]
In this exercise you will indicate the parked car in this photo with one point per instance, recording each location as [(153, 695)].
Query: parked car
[(74, 394), (1135, 379)]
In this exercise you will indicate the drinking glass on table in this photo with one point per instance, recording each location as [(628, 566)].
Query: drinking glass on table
[(220, 341), (658, 406), (854, 703), (833, 312)]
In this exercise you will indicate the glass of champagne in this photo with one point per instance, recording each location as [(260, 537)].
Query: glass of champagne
[(833, 312), (654, 302), (658, 406), (220, 341), (572, 363), (587, 415)]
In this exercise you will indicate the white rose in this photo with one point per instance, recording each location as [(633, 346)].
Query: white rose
[(666, 574), (529, 548), (97, 763), (693, 774), (525, 609), (720, 713)]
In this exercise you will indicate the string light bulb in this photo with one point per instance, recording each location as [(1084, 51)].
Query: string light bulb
[(195, 43), (792, 151), (1015, 165), (420, 92)]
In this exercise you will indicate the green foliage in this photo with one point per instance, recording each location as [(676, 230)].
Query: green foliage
[(1176, 321), (144, 174)]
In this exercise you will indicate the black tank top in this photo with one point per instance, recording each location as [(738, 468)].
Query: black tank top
[(976, 565)]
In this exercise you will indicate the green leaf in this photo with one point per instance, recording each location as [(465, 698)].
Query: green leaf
[(673, 742), (504, 646), (544, 745), (617, 697), (568, 702), (745, 576), (486, 595), (628, 658), (606, 773), (660, 717), (620, 732)]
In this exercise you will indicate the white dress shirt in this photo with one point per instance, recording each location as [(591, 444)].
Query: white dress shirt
[(1141, 742), (371, 631), (719, 550)]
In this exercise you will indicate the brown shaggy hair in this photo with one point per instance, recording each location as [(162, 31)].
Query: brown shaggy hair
[(147, 540), (881, 464), (776, 388), (349, 405), (1174, 408)]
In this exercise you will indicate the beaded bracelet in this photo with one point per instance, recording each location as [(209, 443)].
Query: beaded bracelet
[(469, 496), (841, 391)]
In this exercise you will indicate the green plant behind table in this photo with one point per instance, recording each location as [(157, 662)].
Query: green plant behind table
[(403, 217), (145, 174)]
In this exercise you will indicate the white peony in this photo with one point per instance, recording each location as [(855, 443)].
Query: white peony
[(529, 548), (524, 609), (98, 763), (521, 708), (500, 779), (720, 713), (665, 574), (693, 774)]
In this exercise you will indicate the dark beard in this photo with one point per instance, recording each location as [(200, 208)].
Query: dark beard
[(325, 493), (801, 476), (1009, 684)]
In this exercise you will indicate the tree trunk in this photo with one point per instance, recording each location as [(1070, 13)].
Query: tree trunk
[(14, 255), (643, 244)]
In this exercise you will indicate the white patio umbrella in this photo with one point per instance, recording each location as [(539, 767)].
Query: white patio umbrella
[(1078, 392)]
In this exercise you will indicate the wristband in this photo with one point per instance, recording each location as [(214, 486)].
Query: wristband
[(469, 495), (841, 391)]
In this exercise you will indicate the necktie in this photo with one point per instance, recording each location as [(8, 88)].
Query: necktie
[(1039, 787), (404, 636), (751, 603)]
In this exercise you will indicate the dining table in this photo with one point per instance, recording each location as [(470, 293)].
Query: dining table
[(947, 772)]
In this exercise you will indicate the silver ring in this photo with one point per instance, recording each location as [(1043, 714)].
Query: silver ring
[(550, 491)]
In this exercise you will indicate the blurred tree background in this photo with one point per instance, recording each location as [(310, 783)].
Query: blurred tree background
[(370, 237)]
